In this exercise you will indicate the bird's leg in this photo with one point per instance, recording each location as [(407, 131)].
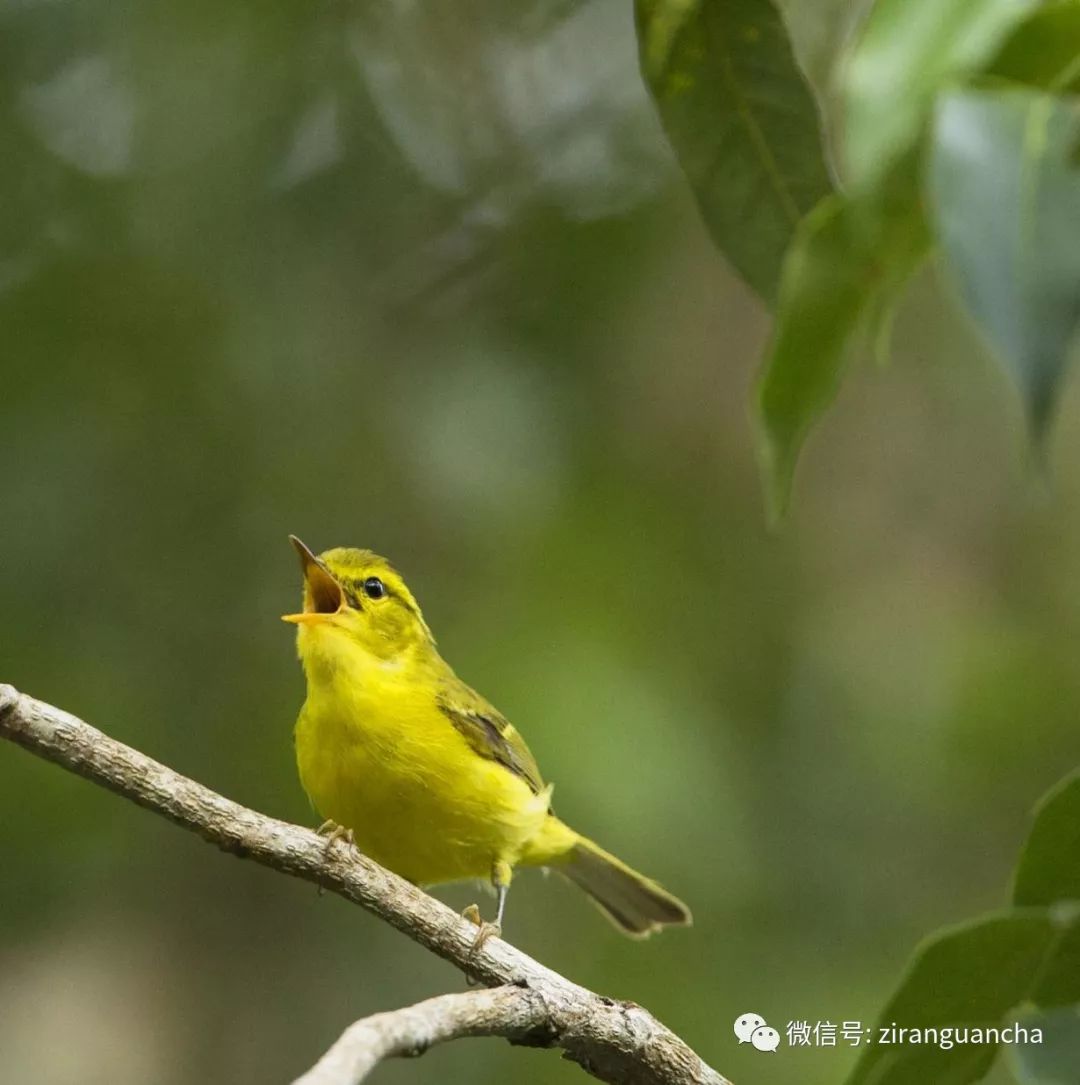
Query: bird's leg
[(500, 878), (335, 832)]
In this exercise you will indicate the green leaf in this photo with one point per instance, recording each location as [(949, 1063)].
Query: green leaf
[(877, 327), (1004, 188), (904, 53), (1044, 50), (742, 121), (848, 261), (971, 975), (1059, 982), (1049, 868), (1048, 875), (980, 974), (1055, 1058)]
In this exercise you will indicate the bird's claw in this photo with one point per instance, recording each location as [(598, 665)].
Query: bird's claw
[(335, 832), (484, 930)]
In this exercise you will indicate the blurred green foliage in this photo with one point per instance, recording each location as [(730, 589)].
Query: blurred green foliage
[(743, 121), (1022, 280), (1003, 189), (425, 278), (1000, 181), (1018, 965)]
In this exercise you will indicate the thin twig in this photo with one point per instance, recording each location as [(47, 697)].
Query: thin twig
[(618, 1042)]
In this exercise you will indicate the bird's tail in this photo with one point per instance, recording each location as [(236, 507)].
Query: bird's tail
[(635, 904)]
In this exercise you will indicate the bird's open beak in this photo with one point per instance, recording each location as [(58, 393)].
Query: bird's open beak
[(323, 596)]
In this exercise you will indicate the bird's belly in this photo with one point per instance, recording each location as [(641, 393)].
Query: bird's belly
[(418, 800)]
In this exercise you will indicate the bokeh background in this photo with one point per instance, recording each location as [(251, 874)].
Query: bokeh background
[(424, 278)]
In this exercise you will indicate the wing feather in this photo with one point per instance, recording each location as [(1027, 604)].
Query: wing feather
[(487, 731)]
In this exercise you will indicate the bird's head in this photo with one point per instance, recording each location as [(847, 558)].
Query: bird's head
[(355, 597)]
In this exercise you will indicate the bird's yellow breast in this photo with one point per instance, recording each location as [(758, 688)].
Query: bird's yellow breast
[(377, 755)]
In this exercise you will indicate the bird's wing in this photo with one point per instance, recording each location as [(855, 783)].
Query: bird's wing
[(487, 731)]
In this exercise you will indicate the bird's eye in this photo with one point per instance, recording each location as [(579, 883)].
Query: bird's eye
[(374, 588)]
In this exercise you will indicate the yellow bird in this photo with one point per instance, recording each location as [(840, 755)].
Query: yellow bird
[(398, 753)]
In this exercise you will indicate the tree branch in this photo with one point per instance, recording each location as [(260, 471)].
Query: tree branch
[(617, 1042), (515, 1013)]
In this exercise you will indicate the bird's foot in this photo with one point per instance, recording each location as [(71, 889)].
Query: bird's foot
[(484, 930), (335, 832)]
